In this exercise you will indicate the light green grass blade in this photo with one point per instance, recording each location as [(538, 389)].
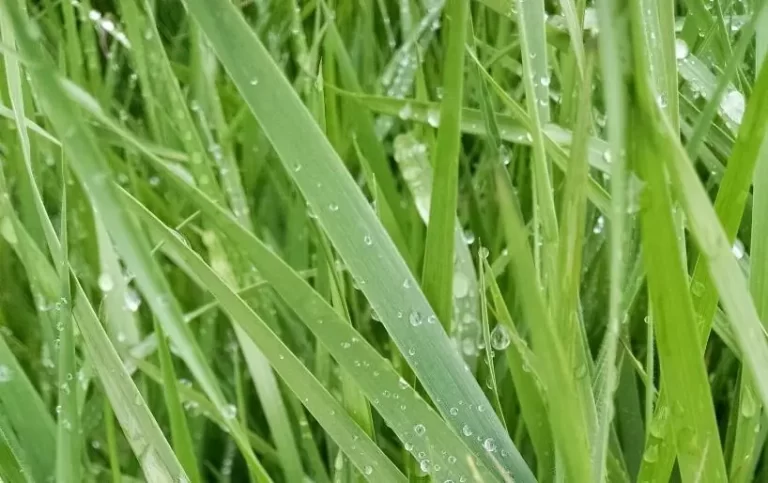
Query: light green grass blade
[(729, 206), (354, 230), (437, 276), (68, 440), (536, 79), (565, 297), (180, 436), (610, 42)]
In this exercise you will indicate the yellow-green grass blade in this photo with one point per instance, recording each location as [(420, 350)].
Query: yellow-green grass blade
[(729, 206), (354, 230), (610, 42), (682, 365), (722, 266), (565, 296)]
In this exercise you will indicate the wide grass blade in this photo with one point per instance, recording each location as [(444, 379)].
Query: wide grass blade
[(355, 232)]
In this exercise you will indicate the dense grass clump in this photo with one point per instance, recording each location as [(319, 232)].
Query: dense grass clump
[(383, 240)]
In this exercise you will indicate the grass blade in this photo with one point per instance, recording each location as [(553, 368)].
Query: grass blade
[(437, 278), (354, 230)]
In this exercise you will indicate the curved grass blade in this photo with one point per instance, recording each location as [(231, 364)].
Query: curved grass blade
[(354, 231)]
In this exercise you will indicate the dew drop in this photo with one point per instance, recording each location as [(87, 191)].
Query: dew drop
[(500, 337), (681, 49), (105, 282), (738, 249), (5, 373), (229, 411), (415, 318), (489, 445), (419, 429)]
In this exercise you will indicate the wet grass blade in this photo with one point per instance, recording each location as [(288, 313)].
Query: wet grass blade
[(354, 230)]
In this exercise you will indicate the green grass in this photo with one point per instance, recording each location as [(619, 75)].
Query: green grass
[(383, 240)]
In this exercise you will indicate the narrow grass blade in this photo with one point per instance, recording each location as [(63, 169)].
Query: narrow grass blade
[(437, 277), (536, 79), (182, 440), (68, 440), (566, 414), (412, 159)]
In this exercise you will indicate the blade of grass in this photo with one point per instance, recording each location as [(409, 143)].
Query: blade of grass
[(536, 79), (610, 43), (68, 440), (729, 206), (566, 414), (354, 230), (743, 458), (437, 273), (692, 417), (180, 436)]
